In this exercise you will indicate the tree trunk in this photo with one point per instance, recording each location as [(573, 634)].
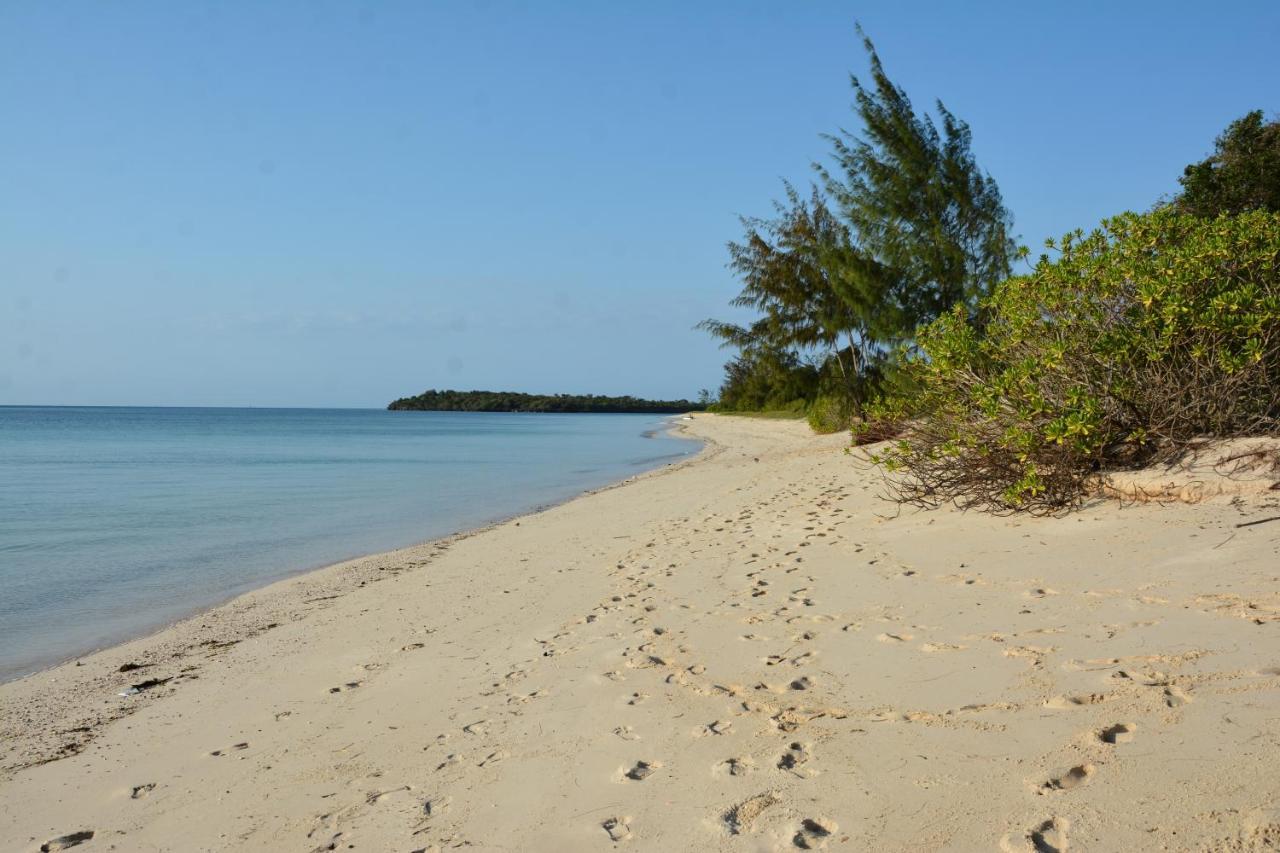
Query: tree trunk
[(856, 390)]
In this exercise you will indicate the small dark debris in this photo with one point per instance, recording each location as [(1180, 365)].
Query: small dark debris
[(62, 842)]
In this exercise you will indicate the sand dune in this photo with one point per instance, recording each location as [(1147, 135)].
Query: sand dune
[(750, 651)]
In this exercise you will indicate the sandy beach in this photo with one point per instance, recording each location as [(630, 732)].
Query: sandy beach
[(748, 651)]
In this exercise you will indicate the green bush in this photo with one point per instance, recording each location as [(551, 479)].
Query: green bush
[(830, 413), (1147, 334)]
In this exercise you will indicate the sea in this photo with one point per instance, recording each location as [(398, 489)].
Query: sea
[(117, 521)]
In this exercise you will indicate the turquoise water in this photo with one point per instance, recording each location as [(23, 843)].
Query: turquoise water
[(114, 521)]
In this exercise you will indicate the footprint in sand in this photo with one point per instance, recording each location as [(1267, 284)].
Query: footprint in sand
[(734, 767), (1119, 733), (1050, 836), (893, 638), (719, 727), (797, 753), (619, 828), (350, 685), (140, 791), (233, 748), (642, 770), (940, 647), (1077, 701), (436, 806), (1073, 778), (64, 842), (814, 833), (741, 818), (1047, 837), (626, 733), (374, 796)]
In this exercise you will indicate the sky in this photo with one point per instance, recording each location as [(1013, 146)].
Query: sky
[(339, 203)]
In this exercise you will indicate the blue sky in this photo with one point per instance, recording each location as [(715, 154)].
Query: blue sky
[(337, 203)]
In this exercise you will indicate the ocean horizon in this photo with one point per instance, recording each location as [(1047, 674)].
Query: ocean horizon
[(118, 520)]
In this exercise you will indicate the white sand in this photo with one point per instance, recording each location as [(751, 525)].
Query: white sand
[(748, 652)]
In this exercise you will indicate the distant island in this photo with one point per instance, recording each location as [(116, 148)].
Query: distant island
[(513, 401)]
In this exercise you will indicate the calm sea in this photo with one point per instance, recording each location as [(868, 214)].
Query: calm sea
[(115, 521)]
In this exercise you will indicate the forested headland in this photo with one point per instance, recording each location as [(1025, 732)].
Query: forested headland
[(514, 401), (886, 302)]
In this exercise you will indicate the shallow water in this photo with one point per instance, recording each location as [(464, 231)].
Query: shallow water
[(115, 521)]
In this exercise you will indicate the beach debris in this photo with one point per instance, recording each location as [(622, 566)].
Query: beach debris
[(135, 689), (131, 666), (63, 842)]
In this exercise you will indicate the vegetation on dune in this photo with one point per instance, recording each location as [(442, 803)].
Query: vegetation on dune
[(884, 303), (1147, 334), (513, 401)]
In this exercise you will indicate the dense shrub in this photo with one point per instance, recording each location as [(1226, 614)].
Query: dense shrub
[(1147, 334), (830, 413)]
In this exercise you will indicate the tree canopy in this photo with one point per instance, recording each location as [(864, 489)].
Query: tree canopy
[(1242, 173), (929, 228)]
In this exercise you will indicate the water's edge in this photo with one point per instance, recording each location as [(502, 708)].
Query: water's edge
[(672, 426)]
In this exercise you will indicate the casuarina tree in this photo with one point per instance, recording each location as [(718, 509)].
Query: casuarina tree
[(929, 228)]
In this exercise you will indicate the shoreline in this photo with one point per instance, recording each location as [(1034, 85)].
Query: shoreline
[(731, 652), (331, 581), (224, 600)]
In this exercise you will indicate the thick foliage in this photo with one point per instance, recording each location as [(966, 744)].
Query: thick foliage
[(761, 379), (930, 229), (830, 413), (785, 264), (1145, 335), (1243, 173)]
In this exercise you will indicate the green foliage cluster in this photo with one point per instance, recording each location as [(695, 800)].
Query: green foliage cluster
[(762, 380), (829, 413), (903, 226), (513, 401), (1242, 174), (1149, 333)]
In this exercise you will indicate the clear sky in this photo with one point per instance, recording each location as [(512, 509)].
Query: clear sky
[(338, 203)]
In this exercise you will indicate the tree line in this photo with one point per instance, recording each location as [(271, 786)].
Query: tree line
[(514, 401)]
